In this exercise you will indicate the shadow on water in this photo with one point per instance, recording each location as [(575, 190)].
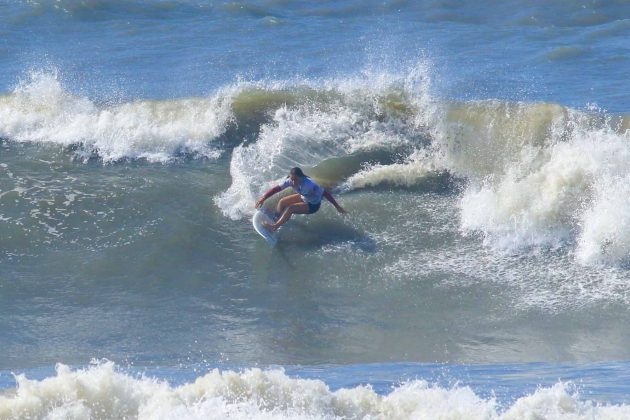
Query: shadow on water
[(303, 236)]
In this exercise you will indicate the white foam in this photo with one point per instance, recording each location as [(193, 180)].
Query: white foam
[(605, 234), (41, 110), (371, 112), (571, 186), (414, 170), (102, 391), (557, 403), (535, 208), (296, 137)]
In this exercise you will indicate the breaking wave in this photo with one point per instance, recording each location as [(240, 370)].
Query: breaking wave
[(40, 110), (102, 391), (539, 175), (563, 186)]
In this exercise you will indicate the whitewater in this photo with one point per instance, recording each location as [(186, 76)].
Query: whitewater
[(102, 391), (482, 153)]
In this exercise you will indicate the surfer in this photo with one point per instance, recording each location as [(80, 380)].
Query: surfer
[(306, 200)]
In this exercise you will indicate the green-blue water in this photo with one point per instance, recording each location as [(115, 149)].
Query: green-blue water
[(481, 152)]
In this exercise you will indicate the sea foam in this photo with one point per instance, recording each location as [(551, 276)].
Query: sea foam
[(102, 391), (41, 110), (412, 171), (565, 186)]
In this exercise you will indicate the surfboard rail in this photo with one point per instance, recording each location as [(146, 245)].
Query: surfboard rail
[(257, 220)]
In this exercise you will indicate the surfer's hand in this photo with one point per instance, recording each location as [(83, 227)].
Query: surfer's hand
[(341, 210), (260, 202)]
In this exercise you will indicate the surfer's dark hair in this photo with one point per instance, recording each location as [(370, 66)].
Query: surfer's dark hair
[(297, 172)]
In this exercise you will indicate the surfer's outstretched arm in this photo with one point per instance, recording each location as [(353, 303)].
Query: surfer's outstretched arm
[(328, 196), (268, 194)]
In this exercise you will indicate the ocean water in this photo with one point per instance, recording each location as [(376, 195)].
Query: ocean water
[(482, 152)]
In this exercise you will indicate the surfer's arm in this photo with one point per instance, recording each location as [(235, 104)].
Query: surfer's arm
[(328, 196), (268, 194)]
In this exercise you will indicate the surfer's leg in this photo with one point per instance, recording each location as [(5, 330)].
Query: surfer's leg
[(296, 208), (285, 202)]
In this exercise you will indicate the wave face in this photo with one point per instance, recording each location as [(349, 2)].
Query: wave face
[(353, 120), (104, 392)]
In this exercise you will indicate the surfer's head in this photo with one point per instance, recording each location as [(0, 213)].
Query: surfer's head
[(296, 174)]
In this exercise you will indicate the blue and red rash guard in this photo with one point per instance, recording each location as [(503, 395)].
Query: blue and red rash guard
[(311, 192)]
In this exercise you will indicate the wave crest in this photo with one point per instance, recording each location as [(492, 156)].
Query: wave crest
[(41, 110), (416, 168)]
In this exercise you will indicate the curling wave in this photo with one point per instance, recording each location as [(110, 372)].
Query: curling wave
[(370, 119)]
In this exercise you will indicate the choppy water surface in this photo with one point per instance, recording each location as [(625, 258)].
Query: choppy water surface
[(481, 151)]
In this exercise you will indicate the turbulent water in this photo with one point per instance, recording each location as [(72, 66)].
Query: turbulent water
[(482, 152)]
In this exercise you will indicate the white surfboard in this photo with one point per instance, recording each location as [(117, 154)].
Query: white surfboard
[(259, 217)]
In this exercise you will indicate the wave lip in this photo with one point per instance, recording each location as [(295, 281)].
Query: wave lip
[(41, 111), (415, 169)]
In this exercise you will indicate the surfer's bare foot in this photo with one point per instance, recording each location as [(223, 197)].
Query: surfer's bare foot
[(270, 226)]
